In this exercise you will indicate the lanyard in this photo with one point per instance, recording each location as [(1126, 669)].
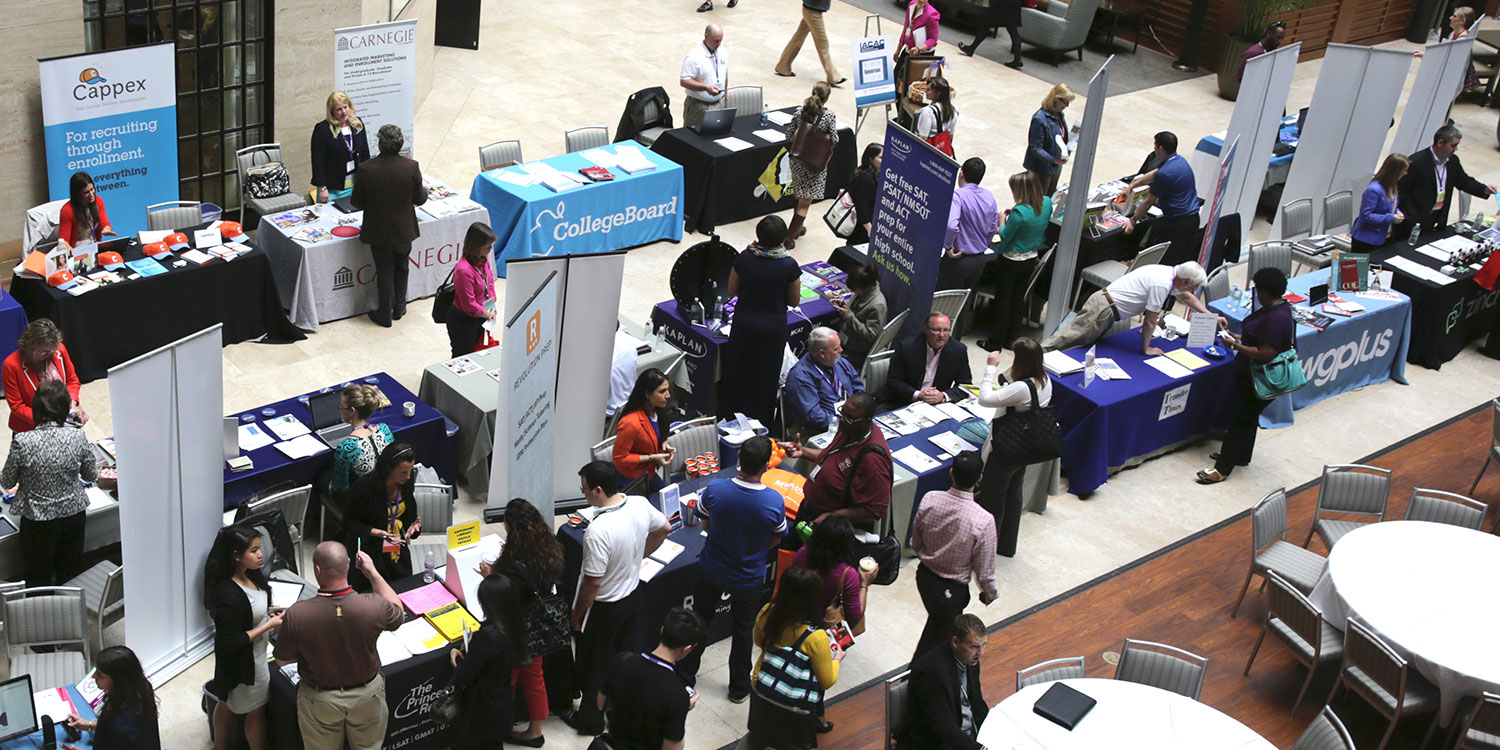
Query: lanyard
[(46, 375), (349, 142), (340, 592), (664, 664), (832, 378)]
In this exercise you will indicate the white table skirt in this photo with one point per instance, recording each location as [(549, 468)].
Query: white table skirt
[(1424, 588), (1128, 715)]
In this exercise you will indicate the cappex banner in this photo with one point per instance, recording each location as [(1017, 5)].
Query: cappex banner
[(113, 115)]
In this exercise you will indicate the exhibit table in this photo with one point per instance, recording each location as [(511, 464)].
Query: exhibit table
[(1205, 158), (1412, 582), (1148, 716), (725, 185), (1444, 317), (424, 431), (1353, 352), (118, 322), (33, 741), (1112, 424), (101, 528), (12, 322), (630, 210), (334, 278)]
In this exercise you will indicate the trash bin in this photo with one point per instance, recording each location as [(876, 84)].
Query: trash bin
[(211, 212)]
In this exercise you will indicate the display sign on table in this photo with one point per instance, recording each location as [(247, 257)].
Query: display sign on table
[(910, 222), (113, 115), (377, 67)]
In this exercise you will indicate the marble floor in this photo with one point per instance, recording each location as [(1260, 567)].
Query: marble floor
[(543, 69)]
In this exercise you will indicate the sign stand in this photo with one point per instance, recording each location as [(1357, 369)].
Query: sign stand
[(863, 105)]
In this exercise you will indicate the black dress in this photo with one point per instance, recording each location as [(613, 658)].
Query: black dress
[(862, 194), (757, 337), (368, 509), (484, 689)]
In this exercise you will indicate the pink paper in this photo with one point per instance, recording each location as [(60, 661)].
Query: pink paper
[(427, 598)]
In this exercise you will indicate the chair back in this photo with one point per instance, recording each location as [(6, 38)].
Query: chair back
[(1326, 732), (292, 503), (604, 450), (1067, 668), (1495, 422), (1285, 603), (1484, 719), (173, 215), (1218, 284), (46, 615), (949, 302), (892, 328), (1268, 520), (747, 100), (1043, 264), (1270, 254), (1445, 507), (1385, 668), (114, 594), (275, 540), (1159, 665), (1150, 256), (1296, 219), (897, 707), (691, 439), (1354, 488), (499, 154), (434, 506), (578, 139), (651, 112), (876, 372), (1338, 212)]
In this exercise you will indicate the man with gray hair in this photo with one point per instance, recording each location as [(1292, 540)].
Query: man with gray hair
[(819, 382), (1142, 291), (388, 188), (1426, 191)]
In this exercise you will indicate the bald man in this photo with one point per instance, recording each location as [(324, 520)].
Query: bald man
[(331, 638), (705, 75)]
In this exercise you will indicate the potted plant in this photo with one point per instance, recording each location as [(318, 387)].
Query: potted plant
[(1255, 16)]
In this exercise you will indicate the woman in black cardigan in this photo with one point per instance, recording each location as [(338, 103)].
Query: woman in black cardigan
[(239, 601), (484, 673), (382, 514), (338, 146)]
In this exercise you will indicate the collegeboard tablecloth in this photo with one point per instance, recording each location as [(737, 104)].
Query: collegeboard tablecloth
[(335, 278), (630, 210), (724, 186), (1413, 583), (1353, 352), (1444, 317), (1111, 423)]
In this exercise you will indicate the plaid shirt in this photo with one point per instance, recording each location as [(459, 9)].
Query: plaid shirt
[(955, 538)]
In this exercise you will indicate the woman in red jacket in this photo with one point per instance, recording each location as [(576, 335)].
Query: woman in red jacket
[(82, 218), (640, 445), (39, 356)]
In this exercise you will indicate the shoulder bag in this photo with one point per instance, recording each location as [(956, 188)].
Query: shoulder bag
[(811, 146), (443, 298), (1025, 437), (886, 551), (1278, 377), (786, 678), (841, 217), (833, 614), (267, 180), (548, 629), (942, 139)]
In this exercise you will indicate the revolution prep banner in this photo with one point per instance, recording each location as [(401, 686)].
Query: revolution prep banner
[(377, 67), (911, 222), (113, 115)]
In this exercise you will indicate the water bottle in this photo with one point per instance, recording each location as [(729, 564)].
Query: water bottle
[(429, 568), (697, 312), (1235, 295), (765, 114), (1413, 240), (716, 309)]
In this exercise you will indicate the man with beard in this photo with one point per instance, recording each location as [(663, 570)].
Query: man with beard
[(1275, 34)]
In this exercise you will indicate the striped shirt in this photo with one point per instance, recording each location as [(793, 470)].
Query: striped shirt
[(955, 539)]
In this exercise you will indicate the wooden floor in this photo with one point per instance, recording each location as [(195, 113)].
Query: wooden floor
[(1182, 596)]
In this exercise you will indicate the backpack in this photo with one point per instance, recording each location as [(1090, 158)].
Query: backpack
[(786, 678)]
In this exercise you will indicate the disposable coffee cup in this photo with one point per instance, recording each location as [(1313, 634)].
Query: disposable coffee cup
[(409, 409), (867, 564)]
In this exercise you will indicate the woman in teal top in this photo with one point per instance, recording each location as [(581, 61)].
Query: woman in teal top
[(1021, 240)]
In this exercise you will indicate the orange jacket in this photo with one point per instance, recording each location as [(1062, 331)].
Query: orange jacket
[(635, 437), (20, 386)]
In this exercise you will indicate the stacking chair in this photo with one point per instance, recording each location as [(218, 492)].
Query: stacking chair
[(1375, 672), (746, 100), (1353, 489), (1068, 668), (1326, 732), (1162, 666), (1338, 212), (1271, 552), (47, 616), (1031, 305), (1494, 444), (892, 329), (1106, 272), (1270, 254), (604, 450), (173, 215), (1300, 626), (875, 373), (1217, 287), (692, 438), (103, 594), (579, 139), (1481, 731), (950, 302), (293, 506), (897, 707), (499, 154), (4, 587), (435, 508), (1296, 219), (1446, 507), (248, 157)]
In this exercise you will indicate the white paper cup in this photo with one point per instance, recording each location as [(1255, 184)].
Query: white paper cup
[(867, 564), (409, 409)]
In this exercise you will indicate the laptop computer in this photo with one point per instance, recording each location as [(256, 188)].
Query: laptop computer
[(345, 204), (328, 423), (17, 708), (715, 122)]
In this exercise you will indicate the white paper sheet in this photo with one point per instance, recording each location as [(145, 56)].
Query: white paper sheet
[(286, 427), (600, 157), (951, 443), (953, 411), (98, 498), (148, 236), (1110, 370), (1418, 270), (252, 436), (630, 159), (419, 637), (913, 458), (1168, 367), (771, 136), (649, 569), (780, 118), (734, 144), (206, 238), (519, 179), (50, 702), (302, 447), (667, 552), (927, 411), (1201, 330), (1058, 363), (284, 593), (390, 649)]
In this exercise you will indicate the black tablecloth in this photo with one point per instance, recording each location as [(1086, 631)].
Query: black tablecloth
[(1444, 317), (119, 322), (724, 186)]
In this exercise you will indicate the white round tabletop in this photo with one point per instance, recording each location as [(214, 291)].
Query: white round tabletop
[(1424, 588), (1127, 715)]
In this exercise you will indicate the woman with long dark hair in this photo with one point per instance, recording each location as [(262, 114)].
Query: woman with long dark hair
[(128, 716), (810, 184), (473, 290), (533, 558), (794, 613), (238, 598), (767, 281), (82, 218), (863, 317), (829, 552), (382, 514), (1000, 487), (1378, 206), (936, 122), (486, 672), (862, 189), (640, 437)]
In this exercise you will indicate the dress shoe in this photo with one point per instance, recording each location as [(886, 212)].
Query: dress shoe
[(707, 6), (571, 718), (738, 697), (969, 49), (989, 346), (398, 313), (1016, 64), (836, 84), (382, 322), (784, 75), (536, 741), (824, 727), (1488, 352), (733, 3)]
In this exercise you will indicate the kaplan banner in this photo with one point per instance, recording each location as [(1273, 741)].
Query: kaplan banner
[(377, 67), (113, 115), (911, 222)]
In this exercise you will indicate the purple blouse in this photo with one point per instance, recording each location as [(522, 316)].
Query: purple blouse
[(843, 575)]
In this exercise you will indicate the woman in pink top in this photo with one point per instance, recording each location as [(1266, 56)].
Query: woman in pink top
[(921, 18), (473, 290)]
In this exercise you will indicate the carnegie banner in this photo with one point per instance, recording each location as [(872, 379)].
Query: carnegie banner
[(113, 115), (910, 222), (376, 66)]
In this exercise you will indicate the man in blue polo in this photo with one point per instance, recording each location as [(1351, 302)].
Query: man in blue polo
[(1172, 189), (744, 520)]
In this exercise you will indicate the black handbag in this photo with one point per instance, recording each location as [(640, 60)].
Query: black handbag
[(442, 300), (886, 551), (548, 627), (1026, 437)]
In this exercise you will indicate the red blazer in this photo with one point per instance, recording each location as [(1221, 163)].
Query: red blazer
[(66, 226), (20, 386), (634, 437)]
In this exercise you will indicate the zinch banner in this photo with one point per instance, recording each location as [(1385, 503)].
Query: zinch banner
[(113, 115)]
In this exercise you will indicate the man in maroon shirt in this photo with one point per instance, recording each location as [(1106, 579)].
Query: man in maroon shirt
[(828, 491)]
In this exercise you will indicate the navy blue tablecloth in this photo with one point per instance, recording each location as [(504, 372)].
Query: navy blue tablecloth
[(936, 478), (12, 322)]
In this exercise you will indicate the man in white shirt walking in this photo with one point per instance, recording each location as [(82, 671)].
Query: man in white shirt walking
[(705, 75)]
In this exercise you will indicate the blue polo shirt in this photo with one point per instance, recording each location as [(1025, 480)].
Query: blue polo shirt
[(1174, 187), (742, 519)]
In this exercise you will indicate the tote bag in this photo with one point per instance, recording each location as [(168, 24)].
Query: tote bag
[(841, 217), (1026, 437), (1282, 375), (811, 146)]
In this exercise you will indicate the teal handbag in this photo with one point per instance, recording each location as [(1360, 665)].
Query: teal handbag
[(1278, 377)]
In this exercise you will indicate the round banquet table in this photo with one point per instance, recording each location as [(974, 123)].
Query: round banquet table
[(1421, 586), (1127, 715)]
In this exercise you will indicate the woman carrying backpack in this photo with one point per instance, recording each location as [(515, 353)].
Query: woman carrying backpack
[(784, 709)]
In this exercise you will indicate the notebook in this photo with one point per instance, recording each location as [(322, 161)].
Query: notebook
[(1063, 705)]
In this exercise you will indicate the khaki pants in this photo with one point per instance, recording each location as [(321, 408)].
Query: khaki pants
[(1094, 319), (694, 109), (327, 717), (812, 21)]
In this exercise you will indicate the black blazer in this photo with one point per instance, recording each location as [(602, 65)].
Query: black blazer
[(1417, 192), (330, 155), (233, 652), (909, 364), (934, 720), (388, 189), (366, 511)]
